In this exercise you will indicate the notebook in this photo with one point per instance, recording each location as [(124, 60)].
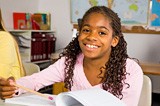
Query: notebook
[(88, 97)]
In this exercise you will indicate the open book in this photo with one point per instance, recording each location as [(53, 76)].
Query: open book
[(88, 97)]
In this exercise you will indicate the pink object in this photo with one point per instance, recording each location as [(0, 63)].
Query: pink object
[(51, 98)]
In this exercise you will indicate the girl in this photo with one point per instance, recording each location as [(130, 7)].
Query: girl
[(10, 62), (97, 57)]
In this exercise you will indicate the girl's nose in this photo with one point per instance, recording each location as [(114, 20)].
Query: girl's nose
[(92, 36)]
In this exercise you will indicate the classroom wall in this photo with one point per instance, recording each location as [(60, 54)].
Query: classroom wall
[(60, 10), (60, 16), (10, 6), (145, 47)]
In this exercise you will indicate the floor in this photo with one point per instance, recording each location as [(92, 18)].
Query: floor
[(155, 99)]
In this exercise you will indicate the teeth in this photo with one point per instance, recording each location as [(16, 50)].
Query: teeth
[(91, 46)]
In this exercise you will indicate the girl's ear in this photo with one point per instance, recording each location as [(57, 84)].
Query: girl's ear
[(115, 41)]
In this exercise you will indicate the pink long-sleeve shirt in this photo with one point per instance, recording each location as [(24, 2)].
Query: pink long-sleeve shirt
[(55, 73)]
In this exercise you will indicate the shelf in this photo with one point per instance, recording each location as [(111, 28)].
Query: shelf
[(140, 30), (41, 61), (32, 30), (136, 29)]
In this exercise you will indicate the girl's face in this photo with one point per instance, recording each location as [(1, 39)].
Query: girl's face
[(96, 38)]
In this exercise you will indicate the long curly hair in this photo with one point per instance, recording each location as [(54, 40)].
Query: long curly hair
[(115, 68)]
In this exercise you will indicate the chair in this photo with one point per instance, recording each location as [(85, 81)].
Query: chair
[(146, 93), (31, 68), (58, 88)]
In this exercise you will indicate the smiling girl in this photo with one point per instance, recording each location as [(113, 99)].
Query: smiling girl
[(97, 57)]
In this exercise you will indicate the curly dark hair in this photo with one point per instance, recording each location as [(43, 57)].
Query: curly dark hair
[(115, 68)]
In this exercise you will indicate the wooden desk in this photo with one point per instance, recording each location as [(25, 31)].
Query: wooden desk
[(150, 68)]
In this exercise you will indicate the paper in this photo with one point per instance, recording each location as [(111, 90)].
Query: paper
[(31, 100)]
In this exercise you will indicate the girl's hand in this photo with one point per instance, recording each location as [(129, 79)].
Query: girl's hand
[(7, 90)]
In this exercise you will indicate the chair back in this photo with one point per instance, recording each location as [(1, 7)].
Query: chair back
[(31, 68), (146, 93)]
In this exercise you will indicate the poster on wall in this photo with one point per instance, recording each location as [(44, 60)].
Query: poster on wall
[(131, 12), (155, 15)]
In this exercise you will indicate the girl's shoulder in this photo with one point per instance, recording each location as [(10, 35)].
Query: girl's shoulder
[(132, 64), (6, 37), (130, 61), (4, 33)]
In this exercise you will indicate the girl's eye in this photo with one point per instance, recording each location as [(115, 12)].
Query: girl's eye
[(102, 33), (85, 30)]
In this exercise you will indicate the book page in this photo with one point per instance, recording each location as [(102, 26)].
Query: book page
[(31, 100), (88, 97)]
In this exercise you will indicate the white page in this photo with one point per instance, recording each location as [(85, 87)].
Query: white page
[(89, 97), (31, 100)]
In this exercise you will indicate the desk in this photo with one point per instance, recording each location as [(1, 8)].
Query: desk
[(2, 103), (29, 99), (153, 71), (150, 68)]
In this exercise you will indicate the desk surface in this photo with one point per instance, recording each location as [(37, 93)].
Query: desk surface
[(150, 68), (28, 99), (2, 103)]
